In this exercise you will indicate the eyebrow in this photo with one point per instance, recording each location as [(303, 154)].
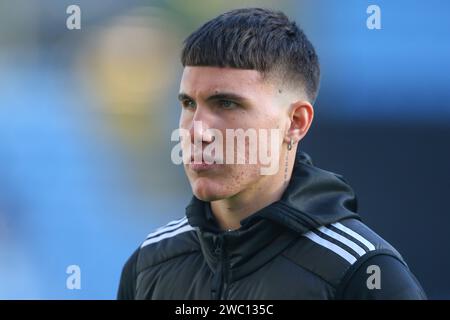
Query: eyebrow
[(216, 96)]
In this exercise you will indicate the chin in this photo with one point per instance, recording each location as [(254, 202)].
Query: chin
[(208, 190)]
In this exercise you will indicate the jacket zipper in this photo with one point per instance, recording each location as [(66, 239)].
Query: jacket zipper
[(218, 285), (224, 287)]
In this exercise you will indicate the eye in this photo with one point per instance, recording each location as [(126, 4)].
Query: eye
[(188, 103), (227, 104)]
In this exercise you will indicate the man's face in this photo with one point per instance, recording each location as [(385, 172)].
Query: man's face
[(221, 99)]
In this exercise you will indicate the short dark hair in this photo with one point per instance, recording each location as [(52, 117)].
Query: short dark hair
[(257, 39)]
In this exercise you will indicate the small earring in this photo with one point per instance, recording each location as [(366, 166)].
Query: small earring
[(289, 146)]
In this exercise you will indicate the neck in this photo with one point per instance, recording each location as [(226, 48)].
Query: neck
[(230, 211)]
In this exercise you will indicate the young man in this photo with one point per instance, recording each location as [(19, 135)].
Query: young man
[(291, 234)]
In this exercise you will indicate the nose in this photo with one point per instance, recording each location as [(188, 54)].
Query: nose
[(199, 127)]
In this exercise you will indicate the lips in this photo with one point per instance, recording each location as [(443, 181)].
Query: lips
[(207, 163), (201, 166), (205, 159)]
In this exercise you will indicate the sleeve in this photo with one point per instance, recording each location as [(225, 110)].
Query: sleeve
[(127, 285), (382, 277)]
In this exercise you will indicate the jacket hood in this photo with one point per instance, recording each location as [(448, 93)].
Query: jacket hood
[(314, 197)]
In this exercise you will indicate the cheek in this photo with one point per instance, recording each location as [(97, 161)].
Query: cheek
[(265, 118), (232, 180), (240, 176)]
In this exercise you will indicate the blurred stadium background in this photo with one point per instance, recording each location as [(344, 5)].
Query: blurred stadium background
[(86, 117)]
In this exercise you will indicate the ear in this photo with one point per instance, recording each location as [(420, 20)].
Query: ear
[(301, 114)]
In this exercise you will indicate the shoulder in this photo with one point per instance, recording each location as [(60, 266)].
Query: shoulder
[(336, 251), (380, 277), (175, 239)]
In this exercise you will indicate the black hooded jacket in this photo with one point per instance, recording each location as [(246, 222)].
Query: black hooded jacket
[(310, 244)]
